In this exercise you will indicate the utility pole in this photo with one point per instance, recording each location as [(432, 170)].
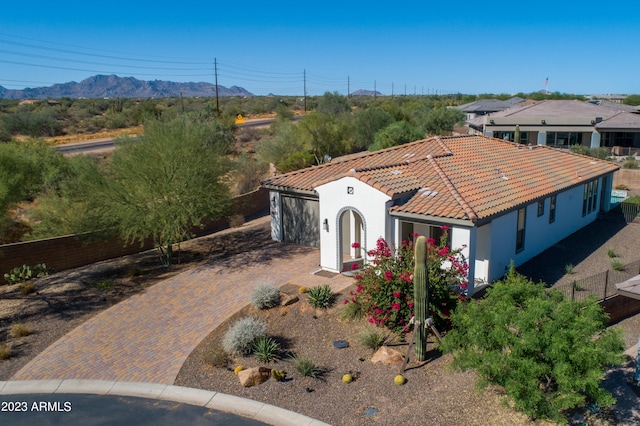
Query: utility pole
[(392, 89), (215, 66), (348, 88), (375, 91), (304, 75)]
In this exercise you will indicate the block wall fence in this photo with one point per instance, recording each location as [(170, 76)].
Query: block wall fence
[(71, 251), (629, 177)]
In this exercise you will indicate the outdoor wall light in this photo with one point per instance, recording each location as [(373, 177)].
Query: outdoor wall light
[(543, 122), (492, 122), (325, 225)]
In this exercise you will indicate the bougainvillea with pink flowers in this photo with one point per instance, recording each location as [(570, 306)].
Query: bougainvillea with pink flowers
[(385, 287)]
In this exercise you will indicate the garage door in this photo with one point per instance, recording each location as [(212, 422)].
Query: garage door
[(301, 221)]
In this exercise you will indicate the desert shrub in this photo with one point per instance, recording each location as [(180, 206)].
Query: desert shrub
[(266, 349), (265, 296), (19, 330), (569, 269), (351, 311), (248, 172), (320, 296), (601, 153), (217, 357), (5, 351), (27, 288), (238, 340), (305, 366), (236, 220), (617, 265), (611, 253), (371, 338), (549, 353), (630, 163), (248, 134)]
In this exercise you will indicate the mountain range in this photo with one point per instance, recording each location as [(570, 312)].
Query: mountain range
[(112, 86)]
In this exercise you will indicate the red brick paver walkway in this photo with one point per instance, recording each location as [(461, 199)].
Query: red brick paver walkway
[(147, 337)]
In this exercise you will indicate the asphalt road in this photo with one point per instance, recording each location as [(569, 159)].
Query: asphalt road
[(93, 410), (109, 144)]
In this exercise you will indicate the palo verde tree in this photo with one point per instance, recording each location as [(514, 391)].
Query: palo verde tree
[(549, 354), (163, 183)]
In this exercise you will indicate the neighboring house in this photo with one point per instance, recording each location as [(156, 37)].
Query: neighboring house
[(486, 106), (503, 201), (564, 123), (611, 98)]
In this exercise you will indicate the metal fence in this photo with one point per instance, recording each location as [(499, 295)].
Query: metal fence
[(602, 285), (630, 211)]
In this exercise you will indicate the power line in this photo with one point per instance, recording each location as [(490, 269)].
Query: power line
[(81, 59)]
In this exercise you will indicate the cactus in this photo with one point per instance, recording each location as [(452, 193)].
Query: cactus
[(421, 297), (278, 375)]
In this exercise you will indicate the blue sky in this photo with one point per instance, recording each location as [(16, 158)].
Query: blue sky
[(584, 47)]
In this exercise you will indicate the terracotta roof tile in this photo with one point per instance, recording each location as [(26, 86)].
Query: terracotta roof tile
[(461, 177)]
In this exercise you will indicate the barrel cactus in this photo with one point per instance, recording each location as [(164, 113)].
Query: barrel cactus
[(421, 297)]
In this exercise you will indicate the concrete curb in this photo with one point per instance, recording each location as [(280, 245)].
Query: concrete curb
[(255, 410)]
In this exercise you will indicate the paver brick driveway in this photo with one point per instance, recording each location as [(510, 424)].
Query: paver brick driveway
[(147, 337)]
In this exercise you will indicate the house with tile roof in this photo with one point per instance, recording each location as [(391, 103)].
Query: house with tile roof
[(503, 201), (562, 123), (486, 106)]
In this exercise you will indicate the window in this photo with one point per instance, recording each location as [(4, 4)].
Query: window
[(522, 216), (552, 209), (540, 208), (590, 197), (511, 136), (436, 232), (564, 139)]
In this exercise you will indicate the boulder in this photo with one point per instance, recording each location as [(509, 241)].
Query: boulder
[(288, 299), (254, 376), (387, 356)]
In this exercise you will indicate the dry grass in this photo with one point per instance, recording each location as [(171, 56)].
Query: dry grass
[(19, 330), (5, 351)]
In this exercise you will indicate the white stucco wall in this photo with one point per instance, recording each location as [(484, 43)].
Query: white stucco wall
[(539, 233), (371, 203)]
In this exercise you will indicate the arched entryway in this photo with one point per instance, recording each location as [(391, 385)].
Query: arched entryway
[(352, 239)]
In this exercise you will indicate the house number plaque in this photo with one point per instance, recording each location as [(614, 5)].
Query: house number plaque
[(350, 190)]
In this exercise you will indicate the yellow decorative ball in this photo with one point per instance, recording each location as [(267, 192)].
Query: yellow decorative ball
[(302, 290), (399, 380), (347, 378), (238, 369)]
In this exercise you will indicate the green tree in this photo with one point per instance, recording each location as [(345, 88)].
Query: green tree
[(162, 184), (333, 104), (548, 353), (397, 133), (326, 134), (440, 121), (26, 169), (632, 100), (284, 143), (367, 123), (63, 209)]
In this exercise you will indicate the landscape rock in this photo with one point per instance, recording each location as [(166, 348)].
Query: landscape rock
[(254, 376), (288, 299), (387, 356)]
